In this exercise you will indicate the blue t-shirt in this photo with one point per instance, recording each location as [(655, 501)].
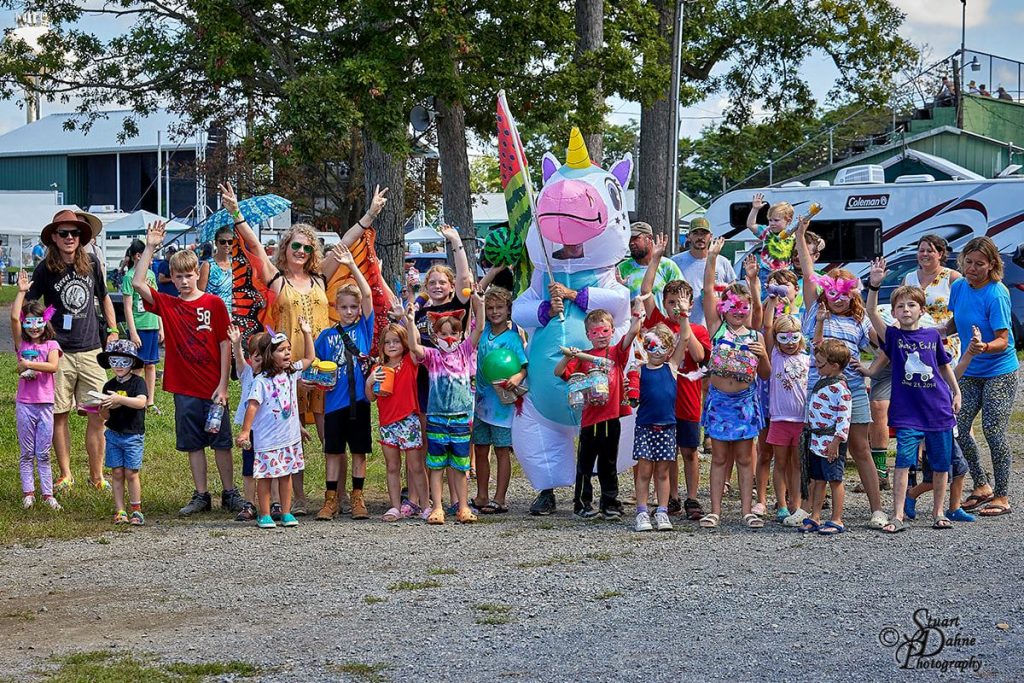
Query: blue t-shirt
[(489, 407), (163, 267), (657, 396), (330, 346), (988, 308), (921, 398)]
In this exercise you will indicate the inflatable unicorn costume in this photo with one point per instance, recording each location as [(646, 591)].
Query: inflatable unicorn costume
[(581, 214)]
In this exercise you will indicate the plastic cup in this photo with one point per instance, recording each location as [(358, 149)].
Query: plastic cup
[(388, 385)]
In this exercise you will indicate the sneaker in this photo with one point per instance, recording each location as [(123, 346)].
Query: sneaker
[(266, 522), (288, 519), (613, 510), (662, 522), (275, 512), (587, 512), (64, 484), (643, 522), (52, 502), (137, 518), (544, 504), (675, 506), (797, 518), (959, 515), (201, 502), (28, 501), (247, 513), (121, 517), (232, 500), (359, 510)]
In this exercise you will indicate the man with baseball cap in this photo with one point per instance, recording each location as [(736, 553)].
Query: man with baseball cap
[(69, 279), (692, 263), (632, 270)]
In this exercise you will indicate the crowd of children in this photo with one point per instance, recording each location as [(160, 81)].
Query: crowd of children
[(773, 377)]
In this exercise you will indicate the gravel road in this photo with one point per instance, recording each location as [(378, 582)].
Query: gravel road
[(582, 601)]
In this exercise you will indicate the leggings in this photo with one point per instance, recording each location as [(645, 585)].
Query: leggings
[(993, 397), (598, 443), (35, 433)]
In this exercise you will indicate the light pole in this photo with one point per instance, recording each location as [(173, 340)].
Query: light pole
[(958, 76), (672, 210)]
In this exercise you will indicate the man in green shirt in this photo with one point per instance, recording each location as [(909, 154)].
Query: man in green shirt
[(143, 326), (632, 270)]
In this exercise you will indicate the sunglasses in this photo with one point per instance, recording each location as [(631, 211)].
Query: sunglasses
[(299, 246), (224, 243), (64, 234)]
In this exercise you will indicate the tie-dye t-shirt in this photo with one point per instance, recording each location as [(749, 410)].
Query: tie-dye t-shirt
[(777, 250), (450, 374)]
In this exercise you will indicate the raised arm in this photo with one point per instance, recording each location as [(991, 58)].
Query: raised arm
[(478, 318), (710, 298), (769, 322), (682, 345), (252, 242), (636, 320), (463, 277), (415, 348), (806, 262), (755, 208), (751, 269), (155, 234), (235, 337), (651, 274), (19, 300), (377, 204), (489, 276), (874, 281), (340, 255)]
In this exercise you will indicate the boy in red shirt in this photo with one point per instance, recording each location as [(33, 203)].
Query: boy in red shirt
[(599, 436), (677, 298), (197, 358)]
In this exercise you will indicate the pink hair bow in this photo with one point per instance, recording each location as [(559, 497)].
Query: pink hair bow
[(838, 288), (733, 303), (47, 314)]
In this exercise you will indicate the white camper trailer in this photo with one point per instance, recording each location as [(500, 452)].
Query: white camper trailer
[(863, 217)]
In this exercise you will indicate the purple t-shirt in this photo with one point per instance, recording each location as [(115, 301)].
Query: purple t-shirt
[(39, 389), (921, 398), (787, 398)]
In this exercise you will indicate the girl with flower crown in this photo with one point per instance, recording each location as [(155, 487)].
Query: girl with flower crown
[(732, 417), (835, 310), (273, 417)]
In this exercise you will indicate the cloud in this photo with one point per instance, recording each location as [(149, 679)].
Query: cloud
[(944, 12)]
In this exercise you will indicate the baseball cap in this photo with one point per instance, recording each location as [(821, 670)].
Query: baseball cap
[(640, 228), (700, 223)]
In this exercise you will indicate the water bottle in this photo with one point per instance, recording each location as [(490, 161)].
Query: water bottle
[(213, 418)]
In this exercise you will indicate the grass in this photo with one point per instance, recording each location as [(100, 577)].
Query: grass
[(414, 585), (366, 673), (493, 614), (442, 571), (112, 667), (374, 599), (166, 482), (608, 595)]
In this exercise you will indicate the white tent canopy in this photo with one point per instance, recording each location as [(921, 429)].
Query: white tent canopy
[(135, 224), (423, 235), (29, 219)]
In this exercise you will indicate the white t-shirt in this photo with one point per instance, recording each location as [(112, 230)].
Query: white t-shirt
[(243, 397), (693, 272), (277, 420)]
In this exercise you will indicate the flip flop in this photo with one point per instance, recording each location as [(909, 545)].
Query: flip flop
[(997, 510), (809, 526), (830, 528), (894, 526), (975, 501)]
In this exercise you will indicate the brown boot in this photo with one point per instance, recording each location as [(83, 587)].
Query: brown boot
[(330, 508), (359, 510)]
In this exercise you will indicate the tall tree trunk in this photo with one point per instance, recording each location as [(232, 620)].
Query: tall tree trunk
[(590, 38), (387, 170), (455, 192), (655, 167)]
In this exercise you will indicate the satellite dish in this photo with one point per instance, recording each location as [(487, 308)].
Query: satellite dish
[(420, 117)]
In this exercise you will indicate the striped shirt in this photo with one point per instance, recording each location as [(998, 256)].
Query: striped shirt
[(847, 330)]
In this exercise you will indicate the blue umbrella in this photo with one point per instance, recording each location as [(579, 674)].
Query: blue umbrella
[(255, 209)]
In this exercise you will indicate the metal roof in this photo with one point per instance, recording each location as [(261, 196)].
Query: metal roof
[(48, 135)]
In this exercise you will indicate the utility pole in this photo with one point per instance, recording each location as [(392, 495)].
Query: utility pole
[(672, 208)]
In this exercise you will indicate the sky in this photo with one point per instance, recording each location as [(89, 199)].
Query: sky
[(993, 26)]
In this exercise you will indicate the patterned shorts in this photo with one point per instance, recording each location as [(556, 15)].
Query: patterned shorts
[(279, 462), (654, 442), (405, 435), (448, 442)]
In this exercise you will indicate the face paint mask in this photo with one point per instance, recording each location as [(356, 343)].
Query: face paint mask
[(653, 345), (446, 344), (120, 362), (789, 337), (33, 323), (599, 332)]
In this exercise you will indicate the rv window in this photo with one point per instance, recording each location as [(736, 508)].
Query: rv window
[(738, 215), (849, 241)]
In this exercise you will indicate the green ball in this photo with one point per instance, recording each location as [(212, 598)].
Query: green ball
[(502, 247), (500, 364)]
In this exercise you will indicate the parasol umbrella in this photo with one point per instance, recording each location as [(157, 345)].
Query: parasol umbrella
[(255, 209)]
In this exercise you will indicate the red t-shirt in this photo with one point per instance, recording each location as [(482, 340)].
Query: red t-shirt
[(614, 408), (688, 391), (403, 400), (193, 331)]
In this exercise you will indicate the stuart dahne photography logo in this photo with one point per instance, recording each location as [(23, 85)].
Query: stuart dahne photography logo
[(937, 644)]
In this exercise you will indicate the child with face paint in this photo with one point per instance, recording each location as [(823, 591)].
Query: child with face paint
[(837, 312), (654, 441), (732, 417), (787, 406), (450, 367), (124, 411), (38, 354), (599, 436)]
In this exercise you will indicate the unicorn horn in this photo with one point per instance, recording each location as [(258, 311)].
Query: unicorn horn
[(577, 156)]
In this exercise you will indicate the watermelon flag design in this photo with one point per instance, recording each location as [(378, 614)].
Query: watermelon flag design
[(515, 181)]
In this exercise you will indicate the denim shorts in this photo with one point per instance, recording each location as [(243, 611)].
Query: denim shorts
[(149, 352), (959, 466), (486, 434), (938, 445), (123, 450), (820, 469)]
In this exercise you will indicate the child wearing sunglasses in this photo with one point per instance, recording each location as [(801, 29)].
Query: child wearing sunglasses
[(124, 411), (787, 406), (38, 353)]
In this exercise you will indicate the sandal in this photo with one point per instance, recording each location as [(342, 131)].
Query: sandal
[(753, 521), (392, 515), (809, 526), (496, 508), (994, 510), (709, 521), (693, 509), (941, 522), (466, 516), (895, 526), (830, 528), (486, 508), (758, 509), (975, 501), (436, 517)]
